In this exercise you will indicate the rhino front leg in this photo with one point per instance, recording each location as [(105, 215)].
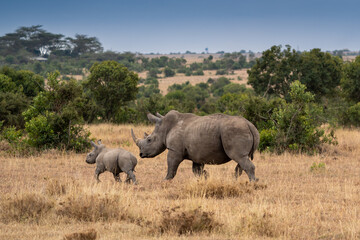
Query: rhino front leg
[(173, 161), (248, 167), (98, 171), (198, 170)]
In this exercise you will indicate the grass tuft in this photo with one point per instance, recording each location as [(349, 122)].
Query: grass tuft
[(187, 222), (212, 188), (90, 234), (28, 207), (55, 188), (262, 224)]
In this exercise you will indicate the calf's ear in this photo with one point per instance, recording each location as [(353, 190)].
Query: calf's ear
[(99, 142)]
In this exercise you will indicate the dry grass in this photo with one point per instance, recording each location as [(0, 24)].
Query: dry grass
[(238, 76), (54, 196)]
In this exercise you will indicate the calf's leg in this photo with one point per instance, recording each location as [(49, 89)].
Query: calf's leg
[(98, 171), (131, 176)]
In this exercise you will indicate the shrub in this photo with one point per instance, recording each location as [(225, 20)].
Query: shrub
[(267, 138), (169, 72), (55, 118), (221, 72), (351, 117), (295, 125)]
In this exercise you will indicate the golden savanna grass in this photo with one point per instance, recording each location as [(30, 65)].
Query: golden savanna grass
[(237, 76), (54, 196)]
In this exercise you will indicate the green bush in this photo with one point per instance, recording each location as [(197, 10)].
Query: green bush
[(352, 116), (55, 118), (18, 144), (296, 124), (169, 72), (221, 72), (267, 138)]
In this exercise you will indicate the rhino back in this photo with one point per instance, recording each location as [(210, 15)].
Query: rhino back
[(110, 158), (126, 160), (216, 139), (202, 140)]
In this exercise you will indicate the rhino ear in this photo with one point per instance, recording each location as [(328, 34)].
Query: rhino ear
[(159, 115), (93, 144), (145, 134), (99, 142), (153, 118)]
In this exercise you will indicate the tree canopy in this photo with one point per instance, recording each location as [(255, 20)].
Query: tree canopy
[(273, 73), (112, 85)]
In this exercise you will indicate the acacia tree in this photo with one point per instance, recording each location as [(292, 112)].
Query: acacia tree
[(83, 44), (112, 85)]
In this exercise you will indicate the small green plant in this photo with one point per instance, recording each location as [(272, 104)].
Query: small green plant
[(317, 167), (17, 141)]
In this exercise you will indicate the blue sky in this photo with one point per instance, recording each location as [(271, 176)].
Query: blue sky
[(164, 26)]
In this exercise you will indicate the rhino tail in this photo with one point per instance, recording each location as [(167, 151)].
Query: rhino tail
[(256, 139)]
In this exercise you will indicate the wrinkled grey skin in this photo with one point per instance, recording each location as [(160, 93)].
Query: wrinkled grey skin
[(112, 160), (213, 139)]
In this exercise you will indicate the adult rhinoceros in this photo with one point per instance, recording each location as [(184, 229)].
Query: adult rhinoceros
[(212, 139)]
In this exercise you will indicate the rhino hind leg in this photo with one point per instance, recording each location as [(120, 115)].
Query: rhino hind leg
[(131, 176), (117, 177), (248, 167), (198, 170), (238, 171)]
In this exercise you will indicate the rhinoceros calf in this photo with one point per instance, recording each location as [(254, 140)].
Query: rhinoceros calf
[(112, 160), (212, 139)]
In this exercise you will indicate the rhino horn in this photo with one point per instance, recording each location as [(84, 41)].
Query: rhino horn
[(92, 144), (159, 115), (153, 118), (136, 140)]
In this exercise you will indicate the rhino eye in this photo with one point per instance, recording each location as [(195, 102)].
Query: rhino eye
[(148, 140)]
